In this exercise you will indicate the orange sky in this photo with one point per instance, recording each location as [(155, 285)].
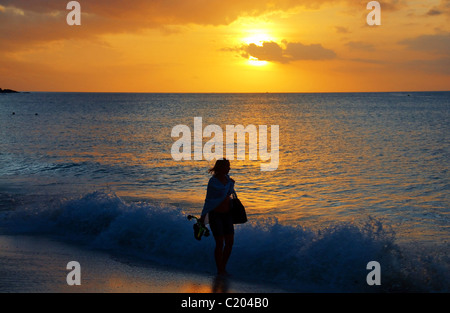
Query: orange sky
[(225, 46)]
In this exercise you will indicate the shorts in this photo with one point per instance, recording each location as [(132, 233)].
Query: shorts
[(221, 223)]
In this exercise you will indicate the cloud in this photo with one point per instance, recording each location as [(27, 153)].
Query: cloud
[(434, 11), (442, 8), (163, 12), (45, 20), (438, 48), (341, 30), (42, 21), (438, 66), (287, 52), (299, 51), (269, 51), (436, 43), (359, 45), (212, 12)]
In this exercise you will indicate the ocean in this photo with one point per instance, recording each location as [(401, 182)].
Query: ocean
[(361, 177)]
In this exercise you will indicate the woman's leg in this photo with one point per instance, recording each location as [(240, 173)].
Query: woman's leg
[(223, 231), (219, 254), (229, 240)]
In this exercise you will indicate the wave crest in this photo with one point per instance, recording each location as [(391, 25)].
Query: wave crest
[(297, 258)]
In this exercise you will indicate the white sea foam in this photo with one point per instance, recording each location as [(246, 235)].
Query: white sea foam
[(299, 259)]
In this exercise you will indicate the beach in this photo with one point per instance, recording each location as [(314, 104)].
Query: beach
[(31, 264)]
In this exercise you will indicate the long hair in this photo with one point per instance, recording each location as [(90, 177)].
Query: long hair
[(219, 165)]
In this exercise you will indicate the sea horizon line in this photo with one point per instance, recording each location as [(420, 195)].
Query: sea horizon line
[(238, 92)]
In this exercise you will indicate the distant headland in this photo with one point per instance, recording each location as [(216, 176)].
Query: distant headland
[(8, 91)]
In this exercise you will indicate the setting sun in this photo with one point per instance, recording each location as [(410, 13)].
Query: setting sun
[(258, 39)]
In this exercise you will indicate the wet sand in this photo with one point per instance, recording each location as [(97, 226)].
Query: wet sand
[(38, 265)]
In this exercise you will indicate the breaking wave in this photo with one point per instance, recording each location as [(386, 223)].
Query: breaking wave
[(332, 259)]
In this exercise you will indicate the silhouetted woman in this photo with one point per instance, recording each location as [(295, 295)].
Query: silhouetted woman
[(217, 209)]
